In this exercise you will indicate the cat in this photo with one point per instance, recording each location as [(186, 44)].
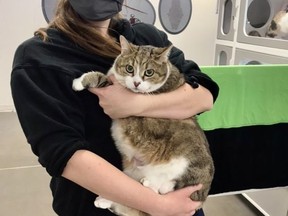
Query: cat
[(163, 154), (278, 27)]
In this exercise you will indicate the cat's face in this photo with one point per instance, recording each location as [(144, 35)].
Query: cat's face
[(142, 69)]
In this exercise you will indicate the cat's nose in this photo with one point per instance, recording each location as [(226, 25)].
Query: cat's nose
[(136, 84)]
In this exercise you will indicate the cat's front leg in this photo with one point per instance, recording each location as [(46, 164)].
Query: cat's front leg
[(90, 80), (116, 208)]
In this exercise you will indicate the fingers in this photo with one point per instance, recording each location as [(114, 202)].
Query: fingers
[(192, 189), (187, 191), (94, 90), (112, 79)]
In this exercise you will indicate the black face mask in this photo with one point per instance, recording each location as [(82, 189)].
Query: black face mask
[(97, 10)]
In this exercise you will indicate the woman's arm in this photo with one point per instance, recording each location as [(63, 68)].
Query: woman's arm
[(179, 104), (184, 102), (97, 175)]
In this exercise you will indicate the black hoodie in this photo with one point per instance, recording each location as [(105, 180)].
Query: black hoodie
[(58, 121)]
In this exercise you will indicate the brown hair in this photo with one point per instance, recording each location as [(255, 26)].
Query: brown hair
[(81, 31)]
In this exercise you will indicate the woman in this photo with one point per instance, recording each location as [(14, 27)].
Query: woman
[(70, 131)]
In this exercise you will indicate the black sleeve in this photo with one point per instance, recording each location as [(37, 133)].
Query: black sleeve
[(192, 72), (49, 114), (145, 34)]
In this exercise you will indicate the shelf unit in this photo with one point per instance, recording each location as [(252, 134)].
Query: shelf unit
[(241, 33), (241, 40)]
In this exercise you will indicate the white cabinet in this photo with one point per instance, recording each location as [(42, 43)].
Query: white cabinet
[(248, 57), (254, 20), (226, 24), (242, 26), (241, 41), (223, 54)]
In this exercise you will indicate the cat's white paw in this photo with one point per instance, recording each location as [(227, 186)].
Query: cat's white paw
[(167, 187), (145, 182), (77, 84), (103, 203)]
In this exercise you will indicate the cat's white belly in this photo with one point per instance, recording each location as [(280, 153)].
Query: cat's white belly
[(160, 177)]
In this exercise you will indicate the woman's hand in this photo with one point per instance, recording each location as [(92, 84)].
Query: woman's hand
[(116, 100), (179, 203), (99, 176)]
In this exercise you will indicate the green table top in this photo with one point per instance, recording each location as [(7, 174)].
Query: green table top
[(249, 95)]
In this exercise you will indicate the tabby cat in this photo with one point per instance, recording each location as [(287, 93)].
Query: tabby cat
[(162, 154), (278, 27)]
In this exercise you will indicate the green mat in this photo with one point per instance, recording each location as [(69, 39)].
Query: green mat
[(249, 95)]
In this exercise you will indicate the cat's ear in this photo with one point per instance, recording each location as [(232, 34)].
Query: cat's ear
[(164, 53), (125, 45)]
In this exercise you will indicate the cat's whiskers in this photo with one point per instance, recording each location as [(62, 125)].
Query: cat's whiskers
[(149, 93)]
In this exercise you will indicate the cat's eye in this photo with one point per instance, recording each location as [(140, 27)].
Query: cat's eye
[(149, 72), (129, 68)]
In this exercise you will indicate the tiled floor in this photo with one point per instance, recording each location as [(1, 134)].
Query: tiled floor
[(24, 185)]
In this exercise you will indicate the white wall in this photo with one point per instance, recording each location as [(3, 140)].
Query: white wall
[(20, 18), (198, 39)]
